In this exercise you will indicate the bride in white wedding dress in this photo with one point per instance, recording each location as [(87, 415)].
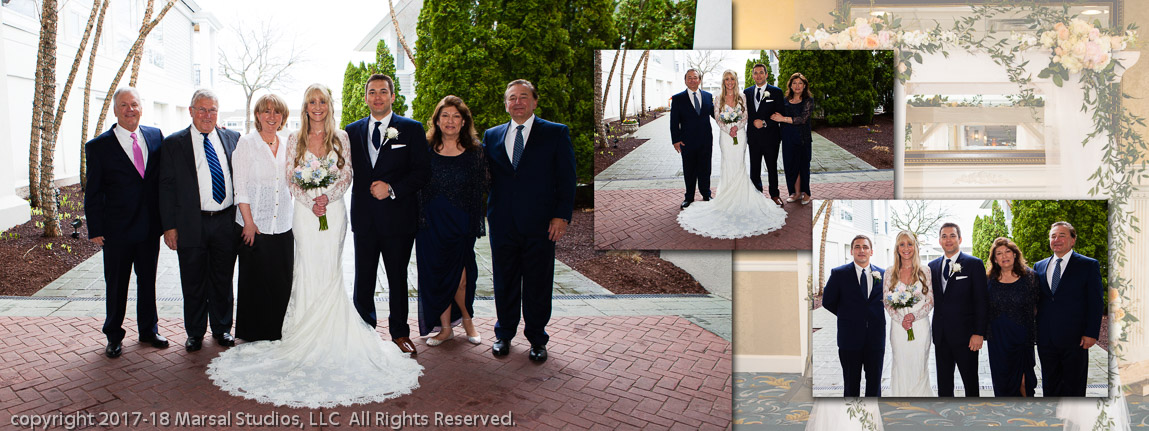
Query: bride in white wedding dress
[(328, 356), (739, 210), (910, 374)]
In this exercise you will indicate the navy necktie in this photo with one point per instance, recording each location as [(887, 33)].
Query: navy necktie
[(945, 275), (376, 140), (758, 98), (217, 183), (518, 147), (1056, 277), (697, 106), (862, 282)]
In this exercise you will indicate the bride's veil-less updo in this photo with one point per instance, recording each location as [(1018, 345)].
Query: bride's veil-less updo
[(915, 263), (737, 99)]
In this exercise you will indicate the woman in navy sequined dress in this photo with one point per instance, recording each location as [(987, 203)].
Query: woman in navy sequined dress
[(450, 220), (1012, 309)]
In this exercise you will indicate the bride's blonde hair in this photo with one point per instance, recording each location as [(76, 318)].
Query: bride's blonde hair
[(737, 100), (915, 263)]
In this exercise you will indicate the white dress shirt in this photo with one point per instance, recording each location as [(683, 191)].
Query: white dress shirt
[(509, 141), (1053, 264), (693, 94), (869, 277), (125, 137), (203, 172), (946, 274), (765, 95), (261, 182), (371, 151)]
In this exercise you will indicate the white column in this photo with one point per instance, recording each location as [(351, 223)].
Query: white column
[(13, 209)]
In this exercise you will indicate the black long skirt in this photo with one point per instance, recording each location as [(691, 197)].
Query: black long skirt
[(443, 250), (264, 286)]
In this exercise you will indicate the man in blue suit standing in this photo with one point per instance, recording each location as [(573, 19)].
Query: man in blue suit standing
[(854, 294), (122, 207), (1068, 314), (532, 167), (389, 168), (690, 114), (763, 135), (961, 312)]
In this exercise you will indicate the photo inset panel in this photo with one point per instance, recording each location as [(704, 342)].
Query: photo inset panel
[(947, 298), (726, 150)]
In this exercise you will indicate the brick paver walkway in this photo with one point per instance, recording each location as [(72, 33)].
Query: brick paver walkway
[(637, 372)]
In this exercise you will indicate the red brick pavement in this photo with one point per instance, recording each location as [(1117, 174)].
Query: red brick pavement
[(856, 190), (648, 220), (637, 372)]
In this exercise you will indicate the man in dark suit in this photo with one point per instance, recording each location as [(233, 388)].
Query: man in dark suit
[(961, 312), (122, 207), (198, 216), (532, 168), (764, 136), (390, 161), (854, 294), (690, 116), (1068, 314)]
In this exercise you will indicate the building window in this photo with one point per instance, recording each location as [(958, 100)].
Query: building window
[(847, 213), (23, 7)]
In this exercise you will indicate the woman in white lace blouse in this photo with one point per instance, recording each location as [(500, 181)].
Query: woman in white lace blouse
[(265, 215)]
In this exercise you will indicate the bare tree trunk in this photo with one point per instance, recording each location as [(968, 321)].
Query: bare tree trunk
[(131, 54), (609, 76), (88, 96), (402, 40), (822, 248), (629, 86), (37, 122), (75, 68), (140, 52), (645, 63), (621, 71), (599, 130), (48, 144), (247, 111)]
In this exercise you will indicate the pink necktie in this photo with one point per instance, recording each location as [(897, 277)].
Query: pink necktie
[(138, 155)]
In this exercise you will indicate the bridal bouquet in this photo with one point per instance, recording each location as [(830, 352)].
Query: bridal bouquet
[(729, 116), (903, 297), (316, 174)]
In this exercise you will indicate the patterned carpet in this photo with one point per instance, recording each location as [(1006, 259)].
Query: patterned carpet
[(777, 401)]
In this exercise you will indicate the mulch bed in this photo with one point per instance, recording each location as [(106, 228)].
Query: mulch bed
[(31, 261), (872, 143), (618, 145), (621, 272)]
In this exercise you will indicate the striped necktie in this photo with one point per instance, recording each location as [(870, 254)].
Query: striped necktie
[(217, 184), (518, 147), (1056, 277)]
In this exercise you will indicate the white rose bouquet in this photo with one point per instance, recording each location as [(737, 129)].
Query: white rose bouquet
[(316, 173), (903, 297), (730, 116)]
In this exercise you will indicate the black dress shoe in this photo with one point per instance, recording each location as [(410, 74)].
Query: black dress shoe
[(706, 199), (501, 347), (156, 340), (538, 353), (225, 339), (193, 344), (114, 349), (684, 205)]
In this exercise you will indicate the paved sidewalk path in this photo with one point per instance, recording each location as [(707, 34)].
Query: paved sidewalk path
[(641, 372)]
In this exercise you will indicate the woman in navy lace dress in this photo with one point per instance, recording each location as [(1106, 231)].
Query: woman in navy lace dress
[(1012, 308), (797, 142), (450, 220)]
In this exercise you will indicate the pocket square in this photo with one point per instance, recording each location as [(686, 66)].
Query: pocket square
[(960, 277), (767, 100), (397, 146)]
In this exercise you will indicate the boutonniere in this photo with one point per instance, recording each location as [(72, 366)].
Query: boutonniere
[(392, 133), (877, 275), (956, 268)]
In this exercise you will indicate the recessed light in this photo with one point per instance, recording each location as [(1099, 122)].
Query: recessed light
[(1091, 12)]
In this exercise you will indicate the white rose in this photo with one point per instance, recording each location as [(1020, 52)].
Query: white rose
[(392, 133)]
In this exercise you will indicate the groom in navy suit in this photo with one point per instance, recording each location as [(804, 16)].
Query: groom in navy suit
[(1068, 314), (690, 114), (961, 310), (389, 170), (854, 294), (532, 168), (121, 203), (763, 136)]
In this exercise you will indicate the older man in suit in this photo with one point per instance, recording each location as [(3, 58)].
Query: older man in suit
[(961, 312), (1069, 313), (121, 203), (389, 171), (198, 216), (763, 136), (532, 168), (854, 294), (690, 115)]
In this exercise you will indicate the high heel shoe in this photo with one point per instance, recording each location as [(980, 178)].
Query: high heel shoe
[(472, 339), (432, 341)]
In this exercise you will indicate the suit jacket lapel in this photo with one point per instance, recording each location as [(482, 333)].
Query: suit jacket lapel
[(153, 162), (500, 147)]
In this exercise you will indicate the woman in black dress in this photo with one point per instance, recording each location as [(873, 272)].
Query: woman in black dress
[(797, 142), (1012, 309), (450, 220)]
